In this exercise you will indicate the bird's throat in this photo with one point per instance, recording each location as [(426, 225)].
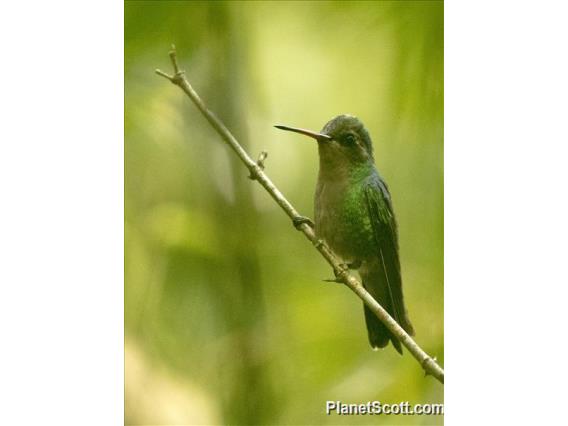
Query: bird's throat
[(335, 166)]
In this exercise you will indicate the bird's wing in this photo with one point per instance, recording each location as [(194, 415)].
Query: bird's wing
[(386, 237)]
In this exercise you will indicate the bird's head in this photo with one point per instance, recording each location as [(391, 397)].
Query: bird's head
[(343, 141)]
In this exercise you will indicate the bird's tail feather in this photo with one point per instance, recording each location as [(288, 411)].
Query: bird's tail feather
[(379, 334)]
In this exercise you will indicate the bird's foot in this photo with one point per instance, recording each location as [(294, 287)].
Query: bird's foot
[(343, 268), (300, 220), (334, 280), (354, 265)]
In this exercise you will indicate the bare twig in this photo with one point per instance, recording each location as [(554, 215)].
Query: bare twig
[(256, 169)]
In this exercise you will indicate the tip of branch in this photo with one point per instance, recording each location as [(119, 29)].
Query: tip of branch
[(173, 58), (163, 74)]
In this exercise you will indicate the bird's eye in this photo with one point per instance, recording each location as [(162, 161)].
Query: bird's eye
[(349, 139)]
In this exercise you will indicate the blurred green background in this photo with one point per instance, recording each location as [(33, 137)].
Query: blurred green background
[(227, 318)]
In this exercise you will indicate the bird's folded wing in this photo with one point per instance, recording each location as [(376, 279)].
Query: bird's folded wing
[(385, 233)]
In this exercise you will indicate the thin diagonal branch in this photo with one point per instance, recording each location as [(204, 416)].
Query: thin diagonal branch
[(343, 275)]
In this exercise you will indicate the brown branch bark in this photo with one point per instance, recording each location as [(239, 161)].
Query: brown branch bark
[(256, 169)]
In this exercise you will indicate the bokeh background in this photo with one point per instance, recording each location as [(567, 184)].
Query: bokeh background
[(227, 318)]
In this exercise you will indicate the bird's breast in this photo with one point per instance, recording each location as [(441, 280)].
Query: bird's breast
[(342, 219)]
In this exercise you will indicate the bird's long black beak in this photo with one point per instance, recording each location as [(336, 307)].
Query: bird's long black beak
[(315, 135)]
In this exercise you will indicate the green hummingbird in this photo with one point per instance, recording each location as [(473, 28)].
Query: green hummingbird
[(354, 216)]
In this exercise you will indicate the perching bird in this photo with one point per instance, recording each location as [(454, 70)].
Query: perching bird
[(354, 216)]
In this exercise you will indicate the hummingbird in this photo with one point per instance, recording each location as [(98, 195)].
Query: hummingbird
[(354, 216)]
